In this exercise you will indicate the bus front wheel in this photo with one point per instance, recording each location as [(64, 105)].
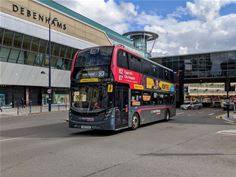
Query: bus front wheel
[(135, 121)]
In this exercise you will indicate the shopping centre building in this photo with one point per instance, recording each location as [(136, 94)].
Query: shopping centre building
[(203, 76), (24, 43)]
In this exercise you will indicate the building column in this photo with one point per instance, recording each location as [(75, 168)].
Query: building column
[(27, 96)]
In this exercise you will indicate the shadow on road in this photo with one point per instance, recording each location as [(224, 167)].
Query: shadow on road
[(58, 130)]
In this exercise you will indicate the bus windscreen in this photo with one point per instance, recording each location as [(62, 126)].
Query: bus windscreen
[(90, 98), (95, 57)]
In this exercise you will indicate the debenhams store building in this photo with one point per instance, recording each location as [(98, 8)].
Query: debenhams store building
[(24, 34)]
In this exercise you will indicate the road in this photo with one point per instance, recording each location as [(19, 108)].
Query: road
[(41, 145)]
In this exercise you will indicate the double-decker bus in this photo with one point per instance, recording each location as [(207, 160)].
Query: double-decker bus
[(113, 88)]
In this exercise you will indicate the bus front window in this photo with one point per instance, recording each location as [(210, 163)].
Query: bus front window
[(102, 56), (90, 98)]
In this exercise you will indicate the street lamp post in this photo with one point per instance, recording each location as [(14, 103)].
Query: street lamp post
[(227, 87), (49, 65)]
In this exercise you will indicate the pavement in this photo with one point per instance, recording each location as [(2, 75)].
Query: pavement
[(24, 111), (231, 118)]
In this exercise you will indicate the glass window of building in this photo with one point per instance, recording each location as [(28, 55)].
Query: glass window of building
[(64, 64), (56, 49), (63, 51), (53, 61), (1, 35), (39, 59), (43, 46), (45, 61), (52, 45), (13, 56), (8, 38), (18, 40), (30, 58), (35, 44), (68, 64), (4, 53), (27, 42), (72, 53), (61, 64), (22, 57), (68, 52)]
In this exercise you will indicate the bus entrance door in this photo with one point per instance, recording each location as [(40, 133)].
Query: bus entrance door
[(121, 103)]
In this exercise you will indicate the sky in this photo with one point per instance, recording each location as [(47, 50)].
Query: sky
[(183, 26)]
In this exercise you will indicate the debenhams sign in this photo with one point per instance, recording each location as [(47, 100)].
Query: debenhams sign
[(37, 16)]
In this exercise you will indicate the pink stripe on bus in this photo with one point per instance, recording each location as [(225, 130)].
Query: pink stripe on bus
[(160, 107)]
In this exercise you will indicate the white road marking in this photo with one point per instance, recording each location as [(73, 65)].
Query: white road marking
[(179, 113), (211, 114), (8, 139), (227, 132)]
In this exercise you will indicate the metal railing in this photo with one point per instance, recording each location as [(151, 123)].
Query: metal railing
[(26, 110)]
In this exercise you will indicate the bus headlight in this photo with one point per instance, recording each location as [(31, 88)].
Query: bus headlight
[(108, 113)]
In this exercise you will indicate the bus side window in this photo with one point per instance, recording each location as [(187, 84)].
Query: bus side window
[(146, 98), (167, 98), (122, 59), (155, 98), (136, 98), (161, 98), (172, 98), (134, 63)]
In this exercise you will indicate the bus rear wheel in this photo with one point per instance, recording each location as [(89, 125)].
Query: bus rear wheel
[(167, 116), (135, 121)]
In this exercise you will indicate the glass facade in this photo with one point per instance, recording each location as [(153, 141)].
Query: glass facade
[(203, 75), (24, 49), (210, 65)]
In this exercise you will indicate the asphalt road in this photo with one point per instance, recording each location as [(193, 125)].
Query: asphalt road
[(41, 145)]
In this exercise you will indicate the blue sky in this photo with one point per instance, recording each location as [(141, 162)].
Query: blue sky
[(191, 26), (157, 6)]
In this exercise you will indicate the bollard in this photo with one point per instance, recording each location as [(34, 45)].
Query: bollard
[(30, 106), (17, 110), (41, 108)]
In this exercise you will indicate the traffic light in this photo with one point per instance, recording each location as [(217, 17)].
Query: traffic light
[(227, 85)]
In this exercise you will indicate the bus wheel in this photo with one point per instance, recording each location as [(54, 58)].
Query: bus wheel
[(167, 116), (135, 121)]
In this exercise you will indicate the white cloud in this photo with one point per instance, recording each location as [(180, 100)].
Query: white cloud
[(204, 30), (108, 13), (207, 9), (183, 50)]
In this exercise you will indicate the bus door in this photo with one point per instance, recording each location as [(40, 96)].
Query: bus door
[(121, 104)]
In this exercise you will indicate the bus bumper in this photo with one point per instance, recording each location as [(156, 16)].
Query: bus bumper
[(96, 125)]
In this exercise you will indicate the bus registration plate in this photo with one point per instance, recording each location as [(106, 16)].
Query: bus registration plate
[(86, 127)]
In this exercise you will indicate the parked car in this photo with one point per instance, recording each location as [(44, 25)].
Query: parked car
[(227, 103), (191, 105)]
